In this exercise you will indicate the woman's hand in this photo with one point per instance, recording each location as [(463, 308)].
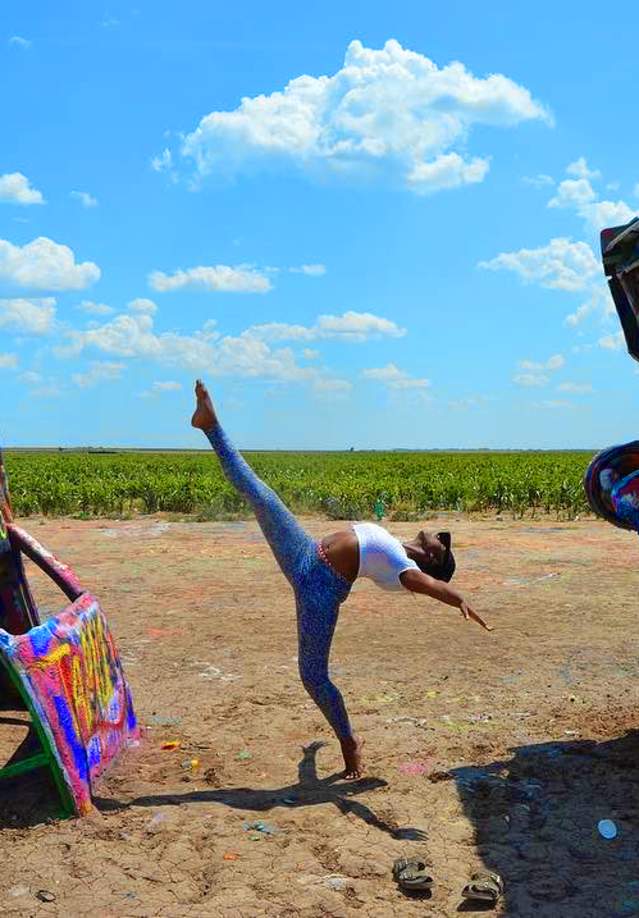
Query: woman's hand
[(470, 615)]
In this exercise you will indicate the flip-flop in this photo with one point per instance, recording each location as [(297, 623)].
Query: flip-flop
[(486, 887), (412, 874)]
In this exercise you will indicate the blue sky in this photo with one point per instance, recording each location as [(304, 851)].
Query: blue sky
[(373, 225)]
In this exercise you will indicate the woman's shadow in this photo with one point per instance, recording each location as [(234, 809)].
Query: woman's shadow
[(310, 790), (536, 817)]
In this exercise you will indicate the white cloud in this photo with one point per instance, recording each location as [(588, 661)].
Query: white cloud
[(123, 336), (86, 199), (45, 388), (15, 188), (246, 356), (581, 170), (31, 378), (8, 361), (470, 401), (350, 326), (567, 265), (141, 304), (95, 309), (576, 388), (357, 326), (612, 342), (394, 378), (163, 162), (388, 114), (561, 264), (450, 170), (311, 270), (222, 278), (99, 371), (573, 193), (609, 213), (576, 317), (578, 194), (28, 316), (539, 181), (553, 363), (554, 403), (168, 386), (158, 388), (134, 336), (599, 301), (50, 389), (310, 353), (531, 379), (328, 386), (44, 264), (19, 42)]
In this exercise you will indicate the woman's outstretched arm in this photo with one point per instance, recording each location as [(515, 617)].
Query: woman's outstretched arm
[(418, 582)]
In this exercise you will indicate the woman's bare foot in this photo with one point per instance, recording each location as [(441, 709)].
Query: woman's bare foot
[(204, 415), (352, 752)]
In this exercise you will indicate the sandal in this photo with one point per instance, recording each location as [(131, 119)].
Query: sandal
[(412, 875), (487, 887)]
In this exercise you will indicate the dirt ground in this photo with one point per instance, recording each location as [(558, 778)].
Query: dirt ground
[(499, 751)]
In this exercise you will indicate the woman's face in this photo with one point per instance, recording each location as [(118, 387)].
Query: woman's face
[(433, 550)]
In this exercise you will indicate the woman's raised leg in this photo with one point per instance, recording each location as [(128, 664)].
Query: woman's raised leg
[(287, 539)]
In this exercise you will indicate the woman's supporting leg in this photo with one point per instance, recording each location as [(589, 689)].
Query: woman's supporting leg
[(319, 594), (316, 622)]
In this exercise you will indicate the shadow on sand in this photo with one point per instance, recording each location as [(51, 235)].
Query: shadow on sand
[(535, 817), (309, 790), (27, 799)]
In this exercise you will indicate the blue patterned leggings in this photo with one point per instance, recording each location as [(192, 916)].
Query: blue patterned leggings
[(319, 590)]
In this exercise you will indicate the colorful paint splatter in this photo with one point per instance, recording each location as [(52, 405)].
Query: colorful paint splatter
[(67, 669), (612, 485)]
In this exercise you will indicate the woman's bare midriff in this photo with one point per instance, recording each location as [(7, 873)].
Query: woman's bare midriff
[(342, 552)]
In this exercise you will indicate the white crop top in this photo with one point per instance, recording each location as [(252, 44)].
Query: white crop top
[(382, 557)]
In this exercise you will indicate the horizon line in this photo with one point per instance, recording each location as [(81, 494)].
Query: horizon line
[(354, 449)]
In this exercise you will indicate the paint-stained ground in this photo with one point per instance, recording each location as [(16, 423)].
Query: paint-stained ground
[(499, 751)]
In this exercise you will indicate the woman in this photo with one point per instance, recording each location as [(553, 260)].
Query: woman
[(322, 573)]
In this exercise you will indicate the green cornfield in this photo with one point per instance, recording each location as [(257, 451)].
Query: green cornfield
[(338, 485)]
